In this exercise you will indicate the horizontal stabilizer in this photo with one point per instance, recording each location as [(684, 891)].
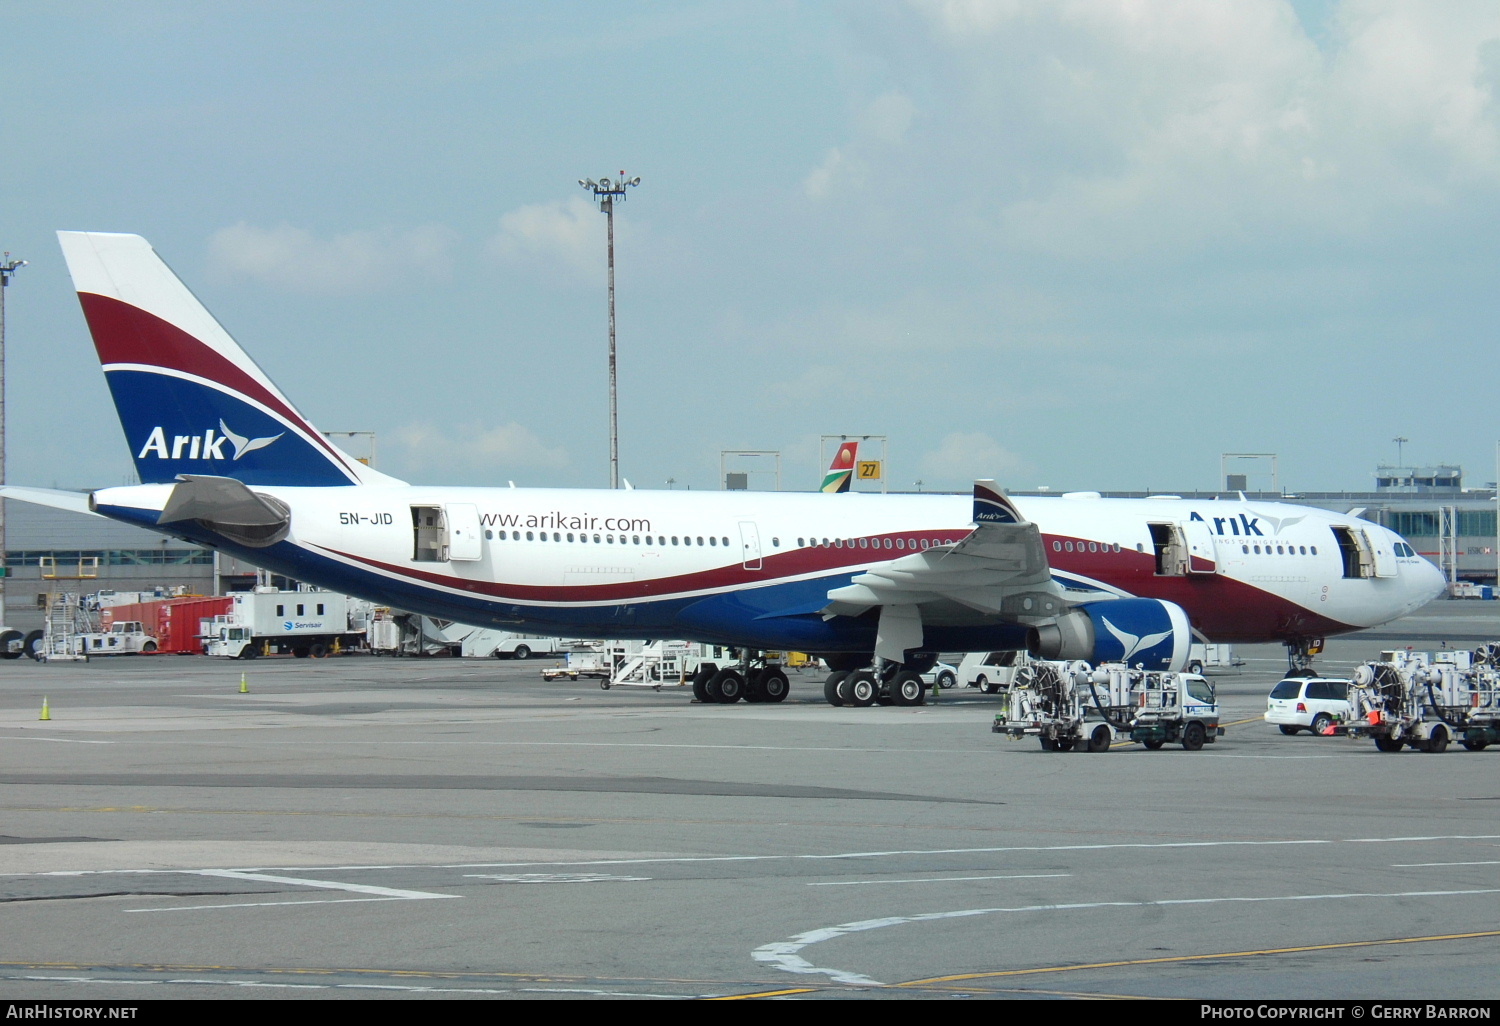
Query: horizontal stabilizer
[(73, 502)]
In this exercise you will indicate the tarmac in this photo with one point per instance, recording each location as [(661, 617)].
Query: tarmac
[(420, 828)]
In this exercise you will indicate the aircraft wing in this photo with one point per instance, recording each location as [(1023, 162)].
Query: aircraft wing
[(73, 502), (999, 569)]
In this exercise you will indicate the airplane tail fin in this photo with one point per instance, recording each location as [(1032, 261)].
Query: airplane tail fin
[(189, 398), (841, 470)]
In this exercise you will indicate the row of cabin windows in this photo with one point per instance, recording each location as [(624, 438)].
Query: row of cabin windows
[(1281, 550), (1059, 546), (871, 543), (301, 610), (609, 539)]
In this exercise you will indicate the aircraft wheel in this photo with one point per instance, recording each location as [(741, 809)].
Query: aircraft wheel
[(730, 686), (859, 688), (774, 686), (831, 693), (700, 683), (908, 688)]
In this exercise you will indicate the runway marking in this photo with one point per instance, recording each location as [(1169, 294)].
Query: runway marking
[(1196, 958), (332, 885), (550, 878), (686, 859), (263, 904), (58, 740), (939, 879), (1423, 865), (784, 955)]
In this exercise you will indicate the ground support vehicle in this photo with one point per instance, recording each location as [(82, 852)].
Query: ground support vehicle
[(482, 642), (1413, 700), (1211, 657), (588, 663), (124, 637), (991, 672), (175, 623), (1175, 708), (266, 621), (654, 664), (1052, 702)]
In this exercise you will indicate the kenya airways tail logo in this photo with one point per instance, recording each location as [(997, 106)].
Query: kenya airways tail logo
[(206, 446)]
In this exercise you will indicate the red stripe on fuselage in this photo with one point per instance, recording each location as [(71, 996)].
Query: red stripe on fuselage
[(1223, 608), (776, 568)]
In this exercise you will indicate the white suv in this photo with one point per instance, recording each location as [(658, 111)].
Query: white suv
[(1308, 703)]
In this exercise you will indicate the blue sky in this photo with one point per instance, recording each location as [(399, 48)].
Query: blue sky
[(1075, 244)]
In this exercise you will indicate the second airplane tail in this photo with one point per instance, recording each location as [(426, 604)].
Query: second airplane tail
[(189, 398)]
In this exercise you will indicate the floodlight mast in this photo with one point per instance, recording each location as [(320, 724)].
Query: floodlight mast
[(8, 268), (605, 192)]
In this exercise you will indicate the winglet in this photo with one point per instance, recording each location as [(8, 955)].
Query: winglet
[(993, 506)]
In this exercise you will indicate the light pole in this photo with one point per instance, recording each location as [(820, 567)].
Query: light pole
[(605, 192), (8, 267)]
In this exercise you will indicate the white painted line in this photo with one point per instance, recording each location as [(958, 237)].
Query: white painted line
[(939, 879), (333, 885), (260, 904), (784, 955), (1421, 865), (59, 740), (684, 859), (551, 878)]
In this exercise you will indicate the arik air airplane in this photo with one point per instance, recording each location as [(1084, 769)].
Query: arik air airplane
[(875, 584)]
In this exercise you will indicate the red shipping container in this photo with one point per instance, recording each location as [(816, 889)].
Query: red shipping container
[(174, 622)]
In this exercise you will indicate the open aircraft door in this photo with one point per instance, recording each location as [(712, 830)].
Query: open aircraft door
[(1382, 555), (1201, 557), (465, 539)]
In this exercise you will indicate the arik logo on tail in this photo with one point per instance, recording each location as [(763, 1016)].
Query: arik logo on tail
[(207, 446)]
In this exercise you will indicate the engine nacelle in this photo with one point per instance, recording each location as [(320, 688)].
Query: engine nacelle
[(1146, 633)]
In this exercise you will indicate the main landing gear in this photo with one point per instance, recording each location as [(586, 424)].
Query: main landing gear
[(886, 683), (1299, 656), (754, 678)]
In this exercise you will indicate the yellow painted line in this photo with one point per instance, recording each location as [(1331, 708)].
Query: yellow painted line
[(765, 994), (1196, 958)]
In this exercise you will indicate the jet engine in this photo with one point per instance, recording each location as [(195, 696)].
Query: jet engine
[(1145, 633)]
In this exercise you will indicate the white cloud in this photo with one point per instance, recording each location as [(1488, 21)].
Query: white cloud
[(297, 260), (562, 231), (965, 456), (881, 124), (472, 453)]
